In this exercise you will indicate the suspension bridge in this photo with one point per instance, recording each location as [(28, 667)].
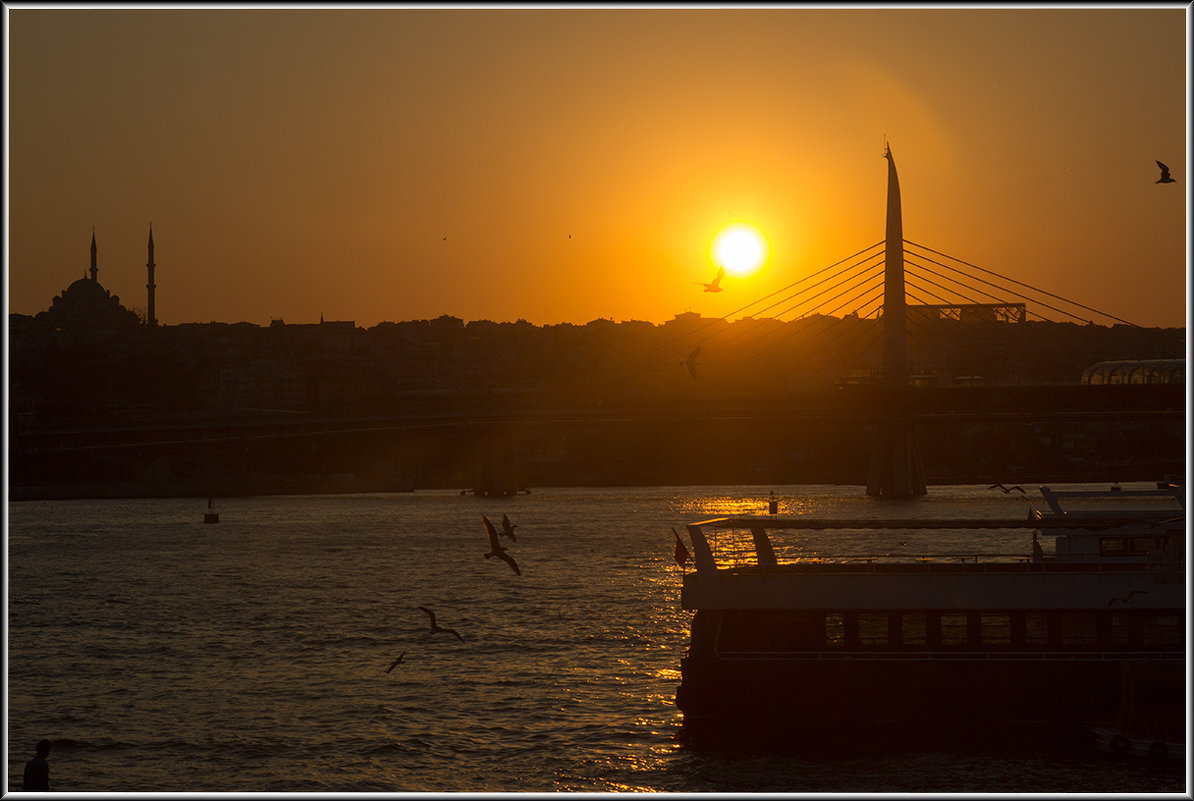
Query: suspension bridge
[(875, 284)]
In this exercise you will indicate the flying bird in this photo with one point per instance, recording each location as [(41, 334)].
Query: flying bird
[(398, 661), (1007, 490), (690, 362), (681, 549), (715, 284), (435, 628), (496, 549), (1165, 179), (1127, 599), (508, 528)]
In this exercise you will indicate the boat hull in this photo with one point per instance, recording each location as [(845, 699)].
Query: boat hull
[(825, 697)]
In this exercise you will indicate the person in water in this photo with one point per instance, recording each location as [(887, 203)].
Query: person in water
[(37, 770)]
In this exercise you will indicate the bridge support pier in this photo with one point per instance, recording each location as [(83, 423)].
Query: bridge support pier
[(896, 470)]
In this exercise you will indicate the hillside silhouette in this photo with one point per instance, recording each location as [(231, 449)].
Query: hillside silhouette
[(763, 408)]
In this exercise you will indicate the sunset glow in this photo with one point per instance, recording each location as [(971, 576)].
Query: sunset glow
[(740, 248), (430, 162)]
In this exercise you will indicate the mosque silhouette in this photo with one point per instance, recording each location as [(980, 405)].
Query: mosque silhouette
[(86, 306)]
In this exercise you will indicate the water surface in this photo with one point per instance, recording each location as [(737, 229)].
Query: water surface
[(163, 654)]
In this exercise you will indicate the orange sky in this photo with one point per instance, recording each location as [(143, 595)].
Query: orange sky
[(306, 162)]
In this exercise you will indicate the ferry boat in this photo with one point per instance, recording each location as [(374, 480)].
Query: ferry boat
[(1035, 626)]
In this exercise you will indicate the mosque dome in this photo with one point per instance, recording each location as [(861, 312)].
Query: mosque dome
[(86, 306)]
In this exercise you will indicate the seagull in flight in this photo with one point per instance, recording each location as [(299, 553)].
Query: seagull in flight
[(715, 284), (1165, 179), (435, 629), (398, 661), (690, 362), (1127, 599), (496, 549), (1007, 490), (508, 528)]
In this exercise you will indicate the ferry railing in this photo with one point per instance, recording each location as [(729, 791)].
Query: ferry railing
[(953, 656), (737, 543)]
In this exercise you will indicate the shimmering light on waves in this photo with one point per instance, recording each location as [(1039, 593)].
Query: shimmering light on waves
[(726, 506)]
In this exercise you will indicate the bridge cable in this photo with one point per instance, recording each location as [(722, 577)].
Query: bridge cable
[(725, 318), (1020, 283), (1012, 291)]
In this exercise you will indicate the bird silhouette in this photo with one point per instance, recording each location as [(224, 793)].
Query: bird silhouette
[(681, 549), (508, 528), (690, 362), (1007, 490), (904, 543), (398, 661), (715, 284), (436, 628), (1165, 179), (496, 549), (1127, 599)]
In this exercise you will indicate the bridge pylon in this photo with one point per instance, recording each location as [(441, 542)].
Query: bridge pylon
[(896, 470)]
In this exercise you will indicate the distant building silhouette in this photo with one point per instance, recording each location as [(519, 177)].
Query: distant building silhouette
[(1137, 371), (86, 306)]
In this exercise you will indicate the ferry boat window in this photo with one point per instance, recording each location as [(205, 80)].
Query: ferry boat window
[(953, 629), (1079, 628), (755, 630), (912, 628), (1036, 628), (774, 630), (1162, 629), (995, 629), (807, 631), (1144, 544), (1110, 546), (835, 630), (872, 628), (1121, 630)]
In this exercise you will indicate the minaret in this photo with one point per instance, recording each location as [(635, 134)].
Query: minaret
[(94, 269), (149, 318), (896, 470)]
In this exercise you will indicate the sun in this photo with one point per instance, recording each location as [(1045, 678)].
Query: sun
[(740, 248)]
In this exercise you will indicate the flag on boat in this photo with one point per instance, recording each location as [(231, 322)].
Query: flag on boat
[(681, 549)]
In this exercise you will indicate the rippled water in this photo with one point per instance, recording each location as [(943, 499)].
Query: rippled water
[(162, 654)]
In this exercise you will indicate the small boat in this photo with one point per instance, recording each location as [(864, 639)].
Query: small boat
[(211, 515)]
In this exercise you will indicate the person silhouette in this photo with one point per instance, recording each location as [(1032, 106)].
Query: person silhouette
[(37, 770)]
